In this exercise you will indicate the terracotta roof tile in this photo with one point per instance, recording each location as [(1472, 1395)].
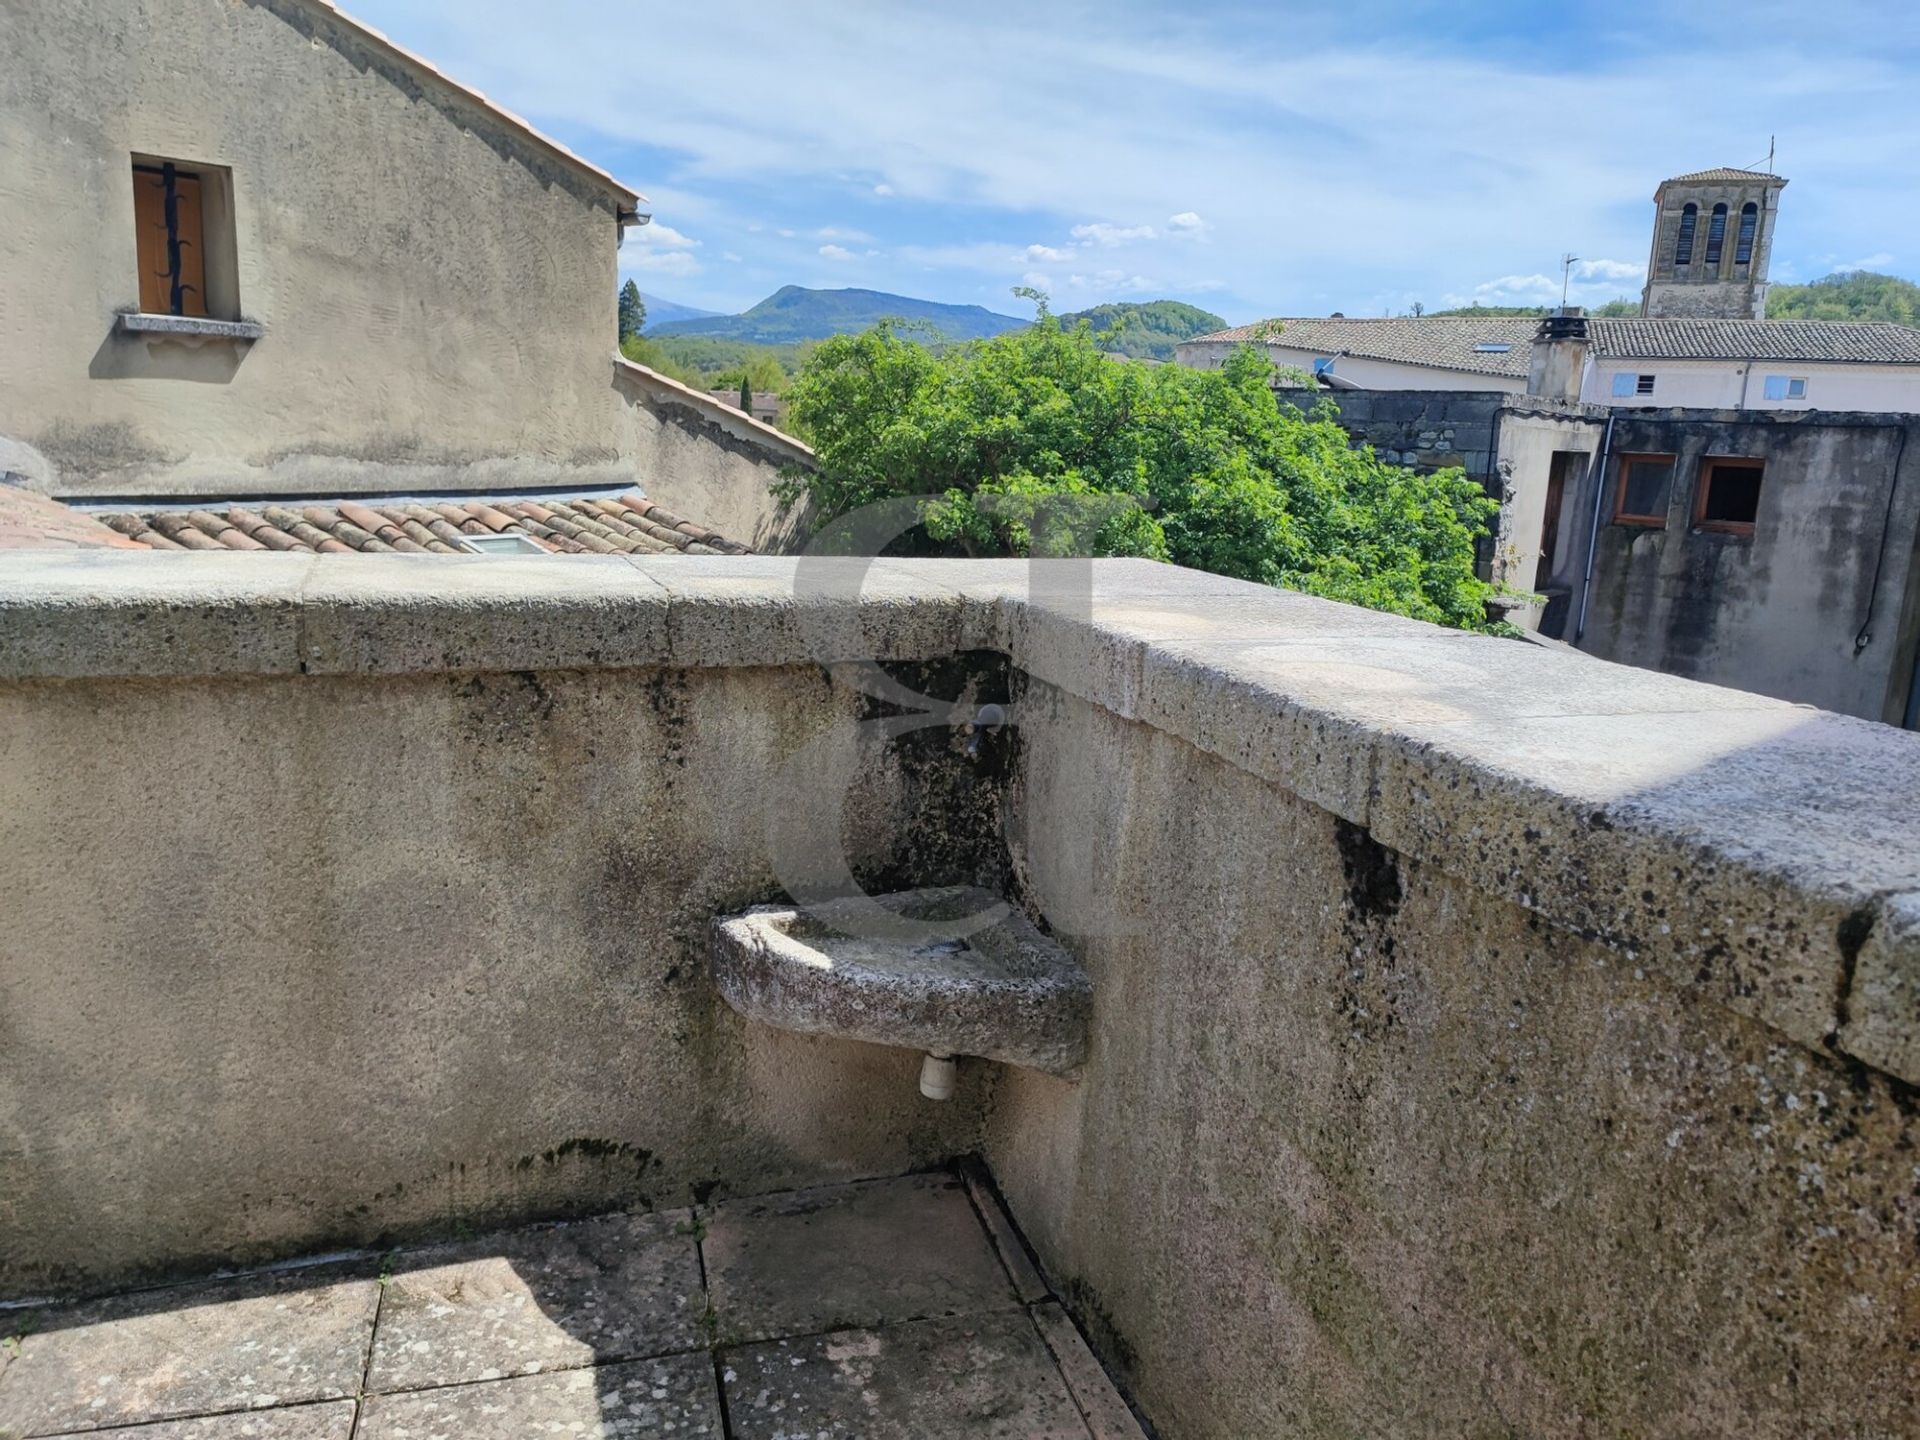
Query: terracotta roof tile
[(1722, 173), (1448, 342), (32, 521), (1861, 342), (627, 524), (1443, 342)]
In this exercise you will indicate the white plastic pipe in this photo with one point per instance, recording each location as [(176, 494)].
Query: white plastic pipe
[(937, 1075)]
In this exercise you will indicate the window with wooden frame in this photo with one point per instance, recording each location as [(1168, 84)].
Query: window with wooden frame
[(1641, 490), (1728, 497), (183, 239)]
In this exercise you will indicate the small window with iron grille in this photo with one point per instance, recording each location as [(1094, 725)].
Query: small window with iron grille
[(183, 239)]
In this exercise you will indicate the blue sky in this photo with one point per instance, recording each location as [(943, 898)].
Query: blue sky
[(1256, 159)]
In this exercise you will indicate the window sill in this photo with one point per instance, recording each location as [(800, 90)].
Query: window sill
[(189, 327)]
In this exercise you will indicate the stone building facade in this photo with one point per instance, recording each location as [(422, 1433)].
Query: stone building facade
[(1712, 237), (254, 248)]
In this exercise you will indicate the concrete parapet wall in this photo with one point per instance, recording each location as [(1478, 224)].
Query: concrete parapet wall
[(1487, 1039)]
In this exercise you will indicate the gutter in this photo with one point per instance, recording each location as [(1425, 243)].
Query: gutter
[(1599, 471)]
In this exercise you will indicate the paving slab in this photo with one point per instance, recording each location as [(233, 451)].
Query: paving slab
[(331, 1421), (250, 1342), (874, 1253), (982, 1377), (553, 1297), (671, 1399)]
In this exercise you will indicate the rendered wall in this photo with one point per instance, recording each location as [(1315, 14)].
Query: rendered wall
[(1739, 385), (1487, 1039), (1363, 1150), (289, 962), (437, 289), (1779, 611)]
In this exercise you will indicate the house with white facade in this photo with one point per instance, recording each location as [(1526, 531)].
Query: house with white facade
[(1693, 362), (1701, 341)]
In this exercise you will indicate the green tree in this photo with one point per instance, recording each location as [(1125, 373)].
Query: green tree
[(1849, 295), (642, 351), (746, 395), (1037, 442), (633, 312)]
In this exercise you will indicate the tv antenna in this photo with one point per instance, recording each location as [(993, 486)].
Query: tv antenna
[(1567, 262)]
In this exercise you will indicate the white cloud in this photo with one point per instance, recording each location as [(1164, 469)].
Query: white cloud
[(1319, 171), (1107, 236), (1879, 260), (658, 249), (1609, 270), (837, 232), (730, 257), (1594, 283), (836, 252), (659, 262), (1047, 253), (1188, 225), (662, 237)]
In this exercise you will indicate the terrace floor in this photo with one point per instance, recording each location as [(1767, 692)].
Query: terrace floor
[(890, 1310)]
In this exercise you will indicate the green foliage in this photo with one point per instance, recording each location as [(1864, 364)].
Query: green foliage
[(1614, 308), (1035, 442), (644, 350), (1849, 295), (720, 364), (633, 312), (1490, 312), (746, 395), (794, 313), (1146, 331)]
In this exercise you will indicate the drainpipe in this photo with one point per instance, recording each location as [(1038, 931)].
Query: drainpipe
[(1593, 536)]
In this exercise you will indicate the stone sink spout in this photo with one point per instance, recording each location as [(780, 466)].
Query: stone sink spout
[(951, 971)]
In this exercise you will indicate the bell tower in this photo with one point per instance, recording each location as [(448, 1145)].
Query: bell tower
[(1712, 234)]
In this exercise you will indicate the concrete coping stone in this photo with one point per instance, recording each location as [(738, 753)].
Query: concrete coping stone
[(1762, 855)]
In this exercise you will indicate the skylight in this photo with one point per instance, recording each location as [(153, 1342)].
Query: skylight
[(1492, 347)]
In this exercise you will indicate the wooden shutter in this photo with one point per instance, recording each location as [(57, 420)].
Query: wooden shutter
[(150, 234)]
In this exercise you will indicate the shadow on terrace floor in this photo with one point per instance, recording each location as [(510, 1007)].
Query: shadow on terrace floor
[(891, 1308)]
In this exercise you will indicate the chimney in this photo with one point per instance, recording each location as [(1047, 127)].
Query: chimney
[(1559, 355)]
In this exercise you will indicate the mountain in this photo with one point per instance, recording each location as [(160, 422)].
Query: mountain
[(1849, 295), (666, 312), (794, 313), (1149, 330)]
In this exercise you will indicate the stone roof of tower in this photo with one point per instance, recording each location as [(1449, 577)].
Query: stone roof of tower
[(1723, 173)]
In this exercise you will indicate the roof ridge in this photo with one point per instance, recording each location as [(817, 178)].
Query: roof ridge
[(426, 67)]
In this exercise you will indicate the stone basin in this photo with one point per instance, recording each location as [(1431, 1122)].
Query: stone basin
[(952, 971)]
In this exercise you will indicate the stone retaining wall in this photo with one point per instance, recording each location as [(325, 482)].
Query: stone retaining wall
[(1487, 1039)]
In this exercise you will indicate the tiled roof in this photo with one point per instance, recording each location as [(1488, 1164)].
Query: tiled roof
[(604, 525), (1447, 342), (1444, 342), (1708, 177), (30, 521), (1862, 342)]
